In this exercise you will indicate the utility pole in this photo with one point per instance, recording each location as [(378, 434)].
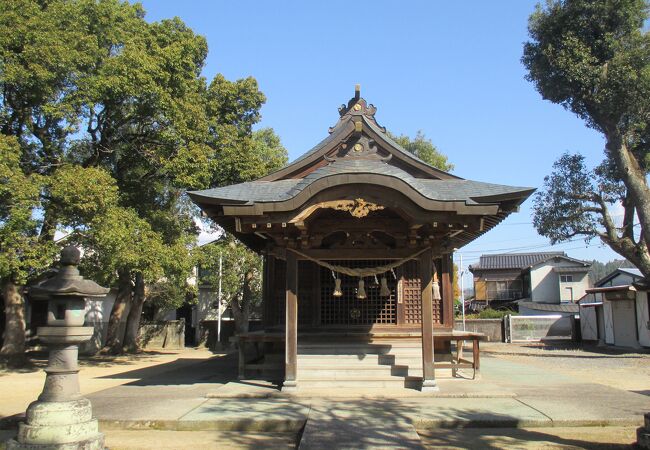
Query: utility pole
[(462, 288), (219, 299)]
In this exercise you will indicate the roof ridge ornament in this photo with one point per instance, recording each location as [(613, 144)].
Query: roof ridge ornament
[(358, 147), (357, 107)]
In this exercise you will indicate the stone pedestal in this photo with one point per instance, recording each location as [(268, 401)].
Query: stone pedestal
[(61, 418), (643, 433)]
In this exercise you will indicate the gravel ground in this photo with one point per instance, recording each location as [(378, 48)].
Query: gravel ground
[(618, 368)]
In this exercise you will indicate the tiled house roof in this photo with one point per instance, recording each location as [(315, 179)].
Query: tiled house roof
[(513, 260)]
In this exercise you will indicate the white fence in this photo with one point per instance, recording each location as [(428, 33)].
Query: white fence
[(538, 328)]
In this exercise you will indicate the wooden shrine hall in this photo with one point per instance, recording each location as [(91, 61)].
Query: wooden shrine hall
[(357, 237)]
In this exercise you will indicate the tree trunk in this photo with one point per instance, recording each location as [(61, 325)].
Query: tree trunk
[(635, 181), (48, 229), (14, 335), (135, 313), (242, 311), (114, 336)]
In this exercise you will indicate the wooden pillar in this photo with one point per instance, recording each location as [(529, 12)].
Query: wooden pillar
[(291, 325), (447, 292), (426, 278), (266, 290)]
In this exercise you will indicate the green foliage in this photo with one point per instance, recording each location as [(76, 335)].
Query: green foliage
[(77, 195), (121, 240), (23, 254), (424, 149), (268, 152), (241, 154), (111, 120), (559, 208), (237, 262), (599, 270), (489, 313), (593, 58)]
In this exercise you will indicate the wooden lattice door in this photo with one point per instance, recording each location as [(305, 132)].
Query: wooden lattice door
[(411, 296), (348, 309)]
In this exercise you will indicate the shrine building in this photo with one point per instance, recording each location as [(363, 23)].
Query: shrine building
[(357, 237)]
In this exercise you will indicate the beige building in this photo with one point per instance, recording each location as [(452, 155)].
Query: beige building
[(531, 279)]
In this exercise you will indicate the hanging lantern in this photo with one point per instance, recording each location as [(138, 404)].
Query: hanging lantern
[(383, 288), (436, 287), (337, 288), (361, 292), (436, 291)]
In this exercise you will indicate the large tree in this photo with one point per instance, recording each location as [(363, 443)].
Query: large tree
[(593, 58), (111, 114), (22, 255), (262, 153)]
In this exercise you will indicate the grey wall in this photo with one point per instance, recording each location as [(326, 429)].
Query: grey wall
[(492, 328)]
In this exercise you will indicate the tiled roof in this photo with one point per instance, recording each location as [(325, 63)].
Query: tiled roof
[(634, 272), (444, 190), (513, 260), (551, 307)]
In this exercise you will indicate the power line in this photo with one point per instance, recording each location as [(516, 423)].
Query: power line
[(512, 249)]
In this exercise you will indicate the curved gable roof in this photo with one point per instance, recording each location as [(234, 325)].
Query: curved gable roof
[(454, 190)]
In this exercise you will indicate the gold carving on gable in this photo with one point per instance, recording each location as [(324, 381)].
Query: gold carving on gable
[(358, 208)]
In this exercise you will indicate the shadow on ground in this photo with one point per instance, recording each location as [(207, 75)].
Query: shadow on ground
[(217, 369), (593, 438)]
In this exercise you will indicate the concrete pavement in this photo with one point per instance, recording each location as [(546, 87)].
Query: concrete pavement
[(171, 394)]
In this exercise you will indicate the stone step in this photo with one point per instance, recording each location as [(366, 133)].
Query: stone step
[(393, 383), (366, 350), (345, 344), (366, 361), (385, 373), (344, 372)]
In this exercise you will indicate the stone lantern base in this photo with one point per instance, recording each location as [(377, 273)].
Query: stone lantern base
[(61, 418), (59, 425), (643, 433)]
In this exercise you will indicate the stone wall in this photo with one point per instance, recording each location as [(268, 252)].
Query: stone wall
[(208, 332), (492, 328), (168, 335)]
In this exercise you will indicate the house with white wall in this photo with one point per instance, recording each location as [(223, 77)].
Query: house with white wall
[(617, 310), (541, 283)]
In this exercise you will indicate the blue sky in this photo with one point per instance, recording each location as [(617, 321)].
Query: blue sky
[(450, 69)]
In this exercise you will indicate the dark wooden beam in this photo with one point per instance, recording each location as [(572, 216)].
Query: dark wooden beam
[(291, 325), (447, 291), (426, 277), (353, 253)]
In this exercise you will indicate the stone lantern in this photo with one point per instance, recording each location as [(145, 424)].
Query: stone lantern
[(61, 418)]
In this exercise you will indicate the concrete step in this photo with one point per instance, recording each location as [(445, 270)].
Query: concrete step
[(393, 383), (344, 372), (369, 358), (336, 344), (366, 350), (382, 360)]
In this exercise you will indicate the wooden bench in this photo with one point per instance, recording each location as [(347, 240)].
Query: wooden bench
[(458, 362), (256, 338)]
